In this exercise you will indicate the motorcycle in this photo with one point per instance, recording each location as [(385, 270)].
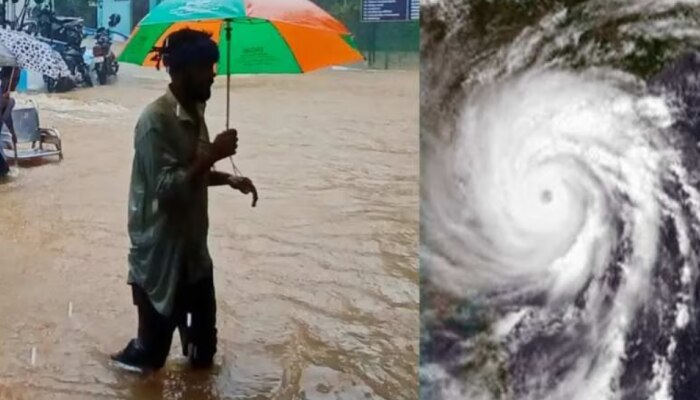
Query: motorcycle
[(65, 35), (75, 59), (74, 56), (105, 60)]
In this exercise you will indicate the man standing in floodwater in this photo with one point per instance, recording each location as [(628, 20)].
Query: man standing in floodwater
[(170, 269)]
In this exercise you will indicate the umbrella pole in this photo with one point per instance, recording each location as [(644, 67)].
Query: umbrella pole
[(228, 87), (228, 73)]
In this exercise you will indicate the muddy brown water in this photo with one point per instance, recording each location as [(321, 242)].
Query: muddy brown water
[(317, 287)]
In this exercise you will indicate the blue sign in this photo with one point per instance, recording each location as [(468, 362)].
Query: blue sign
[(390, 10)]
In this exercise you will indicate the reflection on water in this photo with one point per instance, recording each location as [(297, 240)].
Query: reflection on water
[(317, 287)]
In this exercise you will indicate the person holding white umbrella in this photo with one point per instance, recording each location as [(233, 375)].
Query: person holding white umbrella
[(9, 78), (21, 51)]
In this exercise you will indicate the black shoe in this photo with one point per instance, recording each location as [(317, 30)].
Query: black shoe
[(132, 358)]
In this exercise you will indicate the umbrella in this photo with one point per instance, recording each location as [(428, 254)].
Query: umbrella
[(255, 36), (18, 49), (7, 59)]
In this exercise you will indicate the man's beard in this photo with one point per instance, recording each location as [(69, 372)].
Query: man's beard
[(203, 95)]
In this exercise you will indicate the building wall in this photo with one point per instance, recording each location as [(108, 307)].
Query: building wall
[(121, 7), (139, 9)]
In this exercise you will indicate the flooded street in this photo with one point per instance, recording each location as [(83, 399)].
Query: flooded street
[(317, 287)]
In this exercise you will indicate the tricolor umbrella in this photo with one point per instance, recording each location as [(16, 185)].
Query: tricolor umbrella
[(254, 36)]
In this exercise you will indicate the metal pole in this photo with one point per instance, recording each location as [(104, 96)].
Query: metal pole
[(13, 14), (5, 12), (228, 87), (228, 73), (23, 14)]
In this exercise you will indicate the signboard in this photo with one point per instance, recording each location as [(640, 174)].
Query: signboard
[(390, 10), (414, 14)]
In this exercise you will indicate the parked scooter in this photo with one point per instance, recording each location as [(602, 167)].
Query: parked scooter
[(105, 61), (74, 57), (66, 36), (64, 29)]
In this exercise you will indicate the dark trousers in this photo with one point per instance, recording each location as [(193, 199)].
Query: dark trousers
[(155, 331), (4, 168), (6, 107)]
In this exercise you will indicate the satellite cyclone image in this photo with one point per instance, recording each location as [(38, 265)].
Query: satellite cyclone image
[(560, 189)]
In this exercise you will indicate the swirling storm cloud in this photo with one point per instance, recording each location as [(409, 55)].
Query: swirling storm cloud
[(560, 203)]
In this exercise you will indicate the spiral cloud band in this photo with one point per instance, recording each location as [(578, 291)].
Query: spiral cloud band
[(551, 204)]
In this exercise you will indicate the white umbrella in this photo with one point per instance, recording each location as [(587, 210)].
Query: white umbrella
[(6, 57), (24, 51)]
